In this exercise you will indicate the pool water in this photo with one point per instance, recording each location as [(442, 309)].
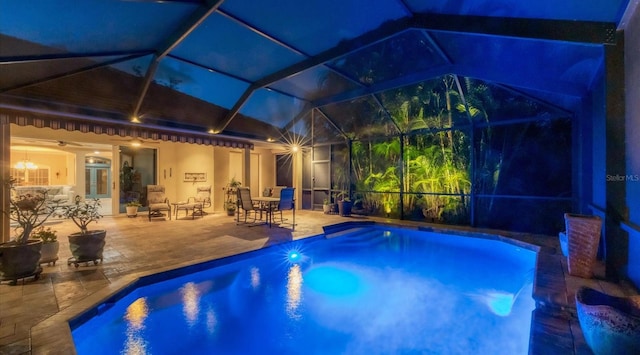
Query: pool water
[(378, 290)]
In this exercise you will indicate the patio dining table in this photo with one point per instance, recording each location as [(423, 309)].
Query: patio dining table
[(268, 203)]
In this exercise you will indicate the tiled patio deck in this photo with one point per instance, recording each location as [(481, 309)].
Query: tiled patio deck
[(33, 314)]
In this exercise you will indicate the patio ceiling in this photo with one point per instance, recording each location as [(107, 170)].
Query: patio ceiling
[(252, 69)]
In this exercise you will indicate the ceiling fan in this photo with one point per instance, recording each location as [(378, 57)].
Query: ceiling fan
[(59, 143), (66, 143)]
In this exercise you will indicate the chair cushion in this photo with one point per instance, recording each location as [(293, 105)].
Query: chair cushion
[(155, 194), (159, 206)]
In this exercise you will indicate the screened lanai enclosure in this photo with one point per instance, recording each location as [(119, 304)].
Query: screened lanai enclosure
[(475, 112), (451, 149)]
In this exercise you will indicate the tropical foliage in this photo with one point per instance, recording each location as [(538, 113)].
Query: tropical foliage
[(451, 143)]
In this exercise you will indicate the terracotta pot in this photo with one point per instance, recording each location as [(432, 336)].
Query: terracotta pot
[(87, 247), (611, 325), (326, 208), (18, 261), (49, 252)]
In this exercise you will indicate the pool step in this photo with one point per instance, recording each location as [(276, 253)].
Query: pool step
[(359, 237), (342, 233)]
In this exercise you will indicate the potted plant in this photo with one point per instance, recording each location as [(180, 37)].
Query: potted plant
[(344, 204), (20, 257), (132, 208), (326, 206), (231, 208), (50, 244), (231, 190), (87, 245)]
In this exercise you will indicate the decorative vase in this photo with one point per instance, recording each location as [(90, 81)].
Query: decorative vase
[(18, 261), (611, 325), (583, 235), (87, 247), (49, 252)]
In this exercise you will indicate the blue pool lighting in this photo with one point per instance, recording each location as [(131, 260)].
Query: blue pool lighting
[(501, 303), (334, 280), (374, 290), (294, 256)]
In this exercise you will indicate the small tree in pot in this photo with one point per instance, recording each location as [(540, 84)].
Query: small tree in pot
[(87, 245), (20, 257)]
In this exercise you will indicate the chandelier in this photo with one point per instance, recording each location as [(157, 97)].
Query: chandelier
[(25, 164)]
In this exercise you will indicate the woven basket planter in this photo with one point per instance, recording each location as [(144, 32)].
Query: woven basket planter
[(583, 234)]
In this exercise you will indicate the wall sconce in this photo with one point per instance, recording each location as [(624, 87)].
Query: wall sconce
[(57, 174)]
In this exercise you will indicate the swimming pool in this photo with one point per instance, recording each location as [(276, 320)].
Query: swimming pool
[(377, 289)]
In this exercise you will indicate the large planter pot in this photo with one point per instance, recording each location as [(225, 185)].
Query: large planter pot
[(583, 236), (611, 325), (132, 211), (344, 208), (86, 247), (18, 261), (49, 252)]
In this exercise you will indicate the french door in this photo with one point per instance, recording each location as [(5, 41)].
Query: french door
[(98, 180)]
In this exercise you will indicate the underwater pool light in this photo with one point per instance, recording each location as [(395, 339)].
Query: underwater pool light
[(294, 256)]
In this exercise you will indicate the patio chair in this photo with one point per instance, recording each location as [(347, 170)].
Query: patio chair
[(246, 204), (203, 196), (201, 200), (287, 203), (157, 201)]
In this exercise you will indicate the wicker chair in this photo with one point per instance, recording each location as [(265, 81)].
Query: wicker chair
[(157, 202)]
